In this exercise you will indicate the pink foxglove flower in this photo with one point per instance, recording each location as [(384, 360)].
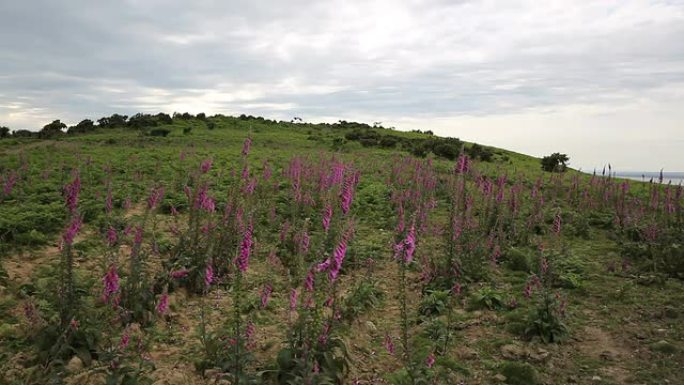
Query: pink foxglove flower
[(266, 295), (155, 197), (9, 183), (245, 249), (125, 339), (246, 146), (205, 166), (72, 191), (309, 281), (111, 236), (389, 344), (338, 258), (430, 360), (177, 274), (111, 283), (108, 202), (208, 275), (327, 216), (347, 194), (137, 238), (163, 305), (406, 248), (72, 230), (293, 299)]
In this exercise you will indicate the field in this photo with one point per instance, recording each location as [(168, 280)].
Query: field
[(246, 251)]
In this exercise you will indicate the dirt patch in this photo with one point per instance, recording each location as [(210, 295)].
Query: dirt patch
[(600, 345)]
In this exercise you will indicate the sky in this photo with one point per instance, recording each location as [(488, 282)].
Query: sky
[(599, 80)]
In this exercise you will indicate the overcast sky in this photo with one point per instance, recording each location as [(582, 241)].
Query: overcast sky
[(600, 80)]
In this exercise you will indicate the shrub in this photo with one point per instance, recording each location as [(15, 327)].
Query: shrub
[(487, 298), (519, 373), (555, 162), (518, 260), (434, 303), (163, 132)]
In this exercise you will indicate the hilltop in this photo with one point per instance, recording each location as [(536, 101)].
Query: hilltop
[(235, 250)]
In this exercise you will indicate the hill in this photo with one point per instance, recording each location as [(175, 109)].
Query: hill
[(239, 250)]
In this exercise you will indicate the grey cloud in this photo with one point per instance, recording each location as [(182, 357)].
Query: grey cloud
[(434, 59)]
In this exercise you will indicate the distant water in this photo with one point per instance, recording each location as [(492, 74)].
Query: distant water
[(674, 177)]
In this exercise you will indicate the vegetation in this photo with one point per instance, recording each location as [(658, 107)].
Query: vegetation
[(214, 249), (555, 162)]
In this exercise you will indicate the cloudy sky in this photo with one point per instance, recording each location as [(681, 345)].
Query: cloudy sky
[(600, 80)]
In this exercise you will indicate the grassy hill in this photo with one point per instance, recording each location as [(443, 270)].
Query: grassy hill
[(228, 250)]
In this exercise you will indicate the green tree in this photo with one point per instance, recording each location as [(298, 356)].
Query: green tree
[(85, 125), (555, 162), (4, 132), (52, 129)]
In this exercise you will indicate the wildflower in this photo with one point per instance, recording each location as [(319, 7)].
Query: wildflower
[(74, 324), (293, 299), (125, 339), (71, 191), (456, 290), (496, 254), (208, 275), (111, 236), (407, 247), (208, 204), (250, 187), (111, 283), (163, 305), (323, 338), (528, 290), (245, 249), (327, 216), (137, 238), (177, 274), (309, 281), (338, 257), (205, 166), (347, 194), (246, 146), (9, 183), (513, 303), (266, 295), (155, 197), (108, 201), (267, 173), (72, 230), (463, 164), (430, 360), (304, 241), (389, 344), (323, 266)]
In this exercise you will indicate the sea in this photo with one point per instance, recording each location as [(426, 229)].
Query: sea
[(644, 176)]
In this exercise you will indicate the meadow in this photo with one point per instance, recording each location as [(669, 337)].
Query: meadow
[(238, 250)]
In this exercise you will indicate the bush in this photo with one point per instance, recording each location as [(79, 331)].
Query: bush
[(162, 132), (487, 298), (518, 260), (555, 162), (434, 303), (519, 373)]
